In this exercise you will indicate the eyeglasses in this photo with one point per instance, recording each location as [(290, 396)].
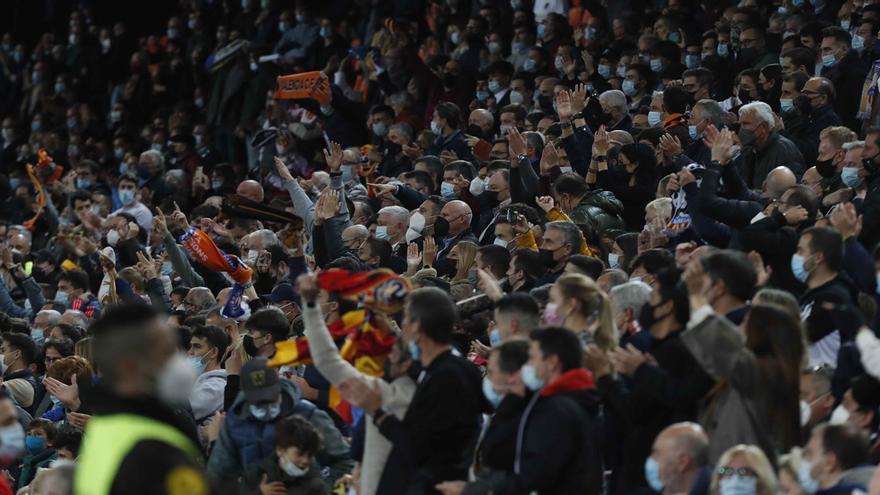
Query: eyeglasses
[(727, 471)]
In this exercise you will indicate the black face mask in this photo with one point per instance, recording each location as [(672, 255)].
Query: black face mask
[(547, 257), (647, 319), (744, 96), (544, 102), (747, 55), (802, 103), (492, 198), (249, 347), (826, 168), (441, 227), (475, 130), (393, 148), (445, 267)]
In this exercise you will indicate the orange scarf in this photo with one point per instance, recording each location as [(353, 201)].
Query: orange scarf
[(203, 249)]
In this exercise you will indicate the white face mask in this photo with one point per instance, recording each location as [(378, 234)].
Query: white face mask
[(839, 416), (112, 237), (501, 242), (12, 441), (291, 469), (417, 222), (175, 380)]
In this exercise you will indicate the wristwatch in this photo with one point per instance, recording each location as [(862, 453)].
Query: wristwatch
[(522, 156), (600, 158)]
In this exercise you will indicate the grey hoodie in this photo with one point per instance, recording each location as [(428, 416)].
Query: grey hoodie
[(207, 394)]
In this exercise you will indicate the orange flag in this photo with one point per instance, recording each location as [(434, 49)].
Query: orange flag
[(314, 85)]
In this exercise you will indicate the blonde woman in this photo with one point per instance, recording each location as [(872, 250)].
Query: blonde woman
[(743, 470), (577, 303), (464, 254)]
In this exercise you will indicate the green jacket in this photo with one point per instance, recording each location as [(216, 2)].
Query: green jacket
[(600, 211)]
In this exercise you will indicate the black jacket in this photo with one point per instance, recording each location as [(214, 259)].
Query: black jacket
[(498, 445), (807, 138), (818, 320), (848, 77), (654, 398), (435, 440), (559, 444), (736, 212), (776, 242), (870, 210)]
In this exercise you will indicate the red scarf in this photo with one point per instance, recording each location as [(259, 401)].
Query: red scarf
[(576, 379)]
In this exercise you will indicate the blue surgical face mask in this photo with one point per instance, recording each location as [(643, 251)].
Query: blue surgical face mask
[(265, 412), (828, 60), (83, 183), (542, 30), (62, 297), (382, 232), (197, 363), (500, 242), (850, 177), (482, 96), (380, 129), (798, 269), (492, 396), (723, 50), (858, 43), (495, 86), (529, 65), (530, 378), (654, 118), (656, 65), (604, 70), (805, 477), (495, 337), (878, 283), (35, 444), (291, 469), (692, 61), (447, 190), (126, 196), (652, 474), (786, 104), (629, 87), (435, 128), (37, 336), (692, 132), (738, 485), (414, 351)]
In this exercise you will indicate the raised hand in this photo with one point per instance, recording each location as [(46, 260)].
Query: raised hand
[(722, 147), (563, 105), (487, 283), (845, 219), (579, 98), (795, 215), (146, 266), (762, 270), (282, 171), (517, 145), (67, 394), (429, 251), (549, 158), (334, 156), (160, 223), (328, 203), (180, 218), (545, 202), (413, 256), (600, 142)]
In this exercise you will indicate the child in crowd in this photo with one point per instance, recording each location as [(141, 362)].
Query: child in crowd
[(291, 469)]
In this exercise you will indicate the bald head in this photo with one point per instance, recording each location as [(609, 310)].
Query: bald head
[(459, 216), (250, 189), (483, 119), (779, 180), (680, 451)]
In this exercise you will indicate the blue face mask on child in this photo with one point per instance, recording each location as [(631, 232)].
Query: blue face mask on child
[(35, 444)]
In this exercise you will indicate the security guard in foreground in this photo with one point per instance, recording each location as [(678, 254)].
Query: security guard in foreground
[(135, 442)]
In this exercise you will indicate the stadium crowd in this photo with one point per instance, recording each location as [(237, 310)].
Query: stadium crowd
[(459, 247)]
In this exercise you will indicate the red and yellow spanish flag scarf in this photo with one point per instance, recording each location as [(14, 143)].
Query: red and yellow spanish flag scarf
[(43, 161), (367, 344)]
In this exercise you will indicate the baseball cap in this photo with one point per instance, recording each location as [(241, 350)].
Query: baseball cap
[(283, 292), (259, 382)]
